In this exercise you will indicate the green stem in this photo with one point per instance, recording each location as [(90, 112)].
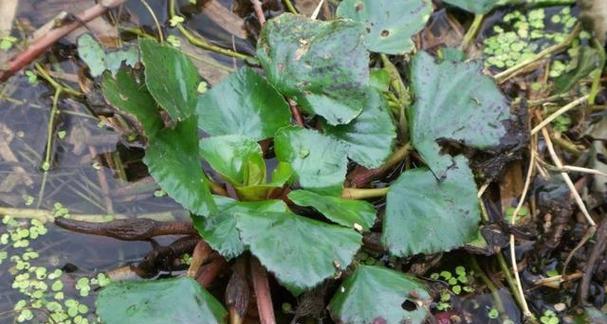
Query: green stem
[(290, 6), (505, 75), (472, 31), (490, 285), (357, 194), (203, 43), (596, 78), (48, 216), (511, 283)]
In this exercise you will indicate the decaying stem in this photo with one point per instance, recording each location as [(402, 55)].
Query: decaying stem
[(262, 292)]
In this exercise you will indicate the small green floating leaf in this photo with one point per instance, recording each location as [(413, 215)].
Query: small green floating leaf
[(237, 158), (301, 252), (454, 101), (92, 54), (391, 24), (323, 65), (318, 161), (177, 300), (378, 295), (350, 213), (245, 104), (171, 78), (173, 161), (425, 215), (475, 6), (127, 95), (219, 229), (114, 60), (370, 137)]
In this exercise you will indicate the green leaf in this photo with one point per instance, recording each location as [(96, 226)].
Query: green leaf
[(318, 161), (171, 78), (350, 213), (127, 95), (219, 229), (244, 103), (370, 137), (454, 101), (390, 24), (92, 54), (114, 60), (376, 295), (425, 215), (177, 300), (301, 252), (474, 6), (238, 159), (587, 61), (323, 65), (173, 161)]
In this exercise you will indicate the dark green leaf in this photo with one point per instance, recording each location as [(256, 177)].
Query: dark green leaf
[(128, 96), (454, 101), (345, 212), (171, 77), (391, 24), (301, 252), (245, 104), (587, 61), (237, 158), (370, 137), (425, 215), (318, 161), (219, 229), (474, 6), (377, 295), (323, 65), (173, 160), (177, 300)]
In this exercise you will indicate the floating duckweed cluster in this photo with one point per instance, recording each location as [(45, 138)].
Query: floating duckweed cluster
[(523, 35), (458, 283), (42, 289), (549, 317)]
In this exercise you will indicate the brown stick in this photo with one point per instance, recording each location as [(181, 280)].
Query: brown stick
[(597, 251), (262, 292), (209, 272), (361, 176), (201, 254), (17, 62), (259, 12), (134, 229), (296, 114)]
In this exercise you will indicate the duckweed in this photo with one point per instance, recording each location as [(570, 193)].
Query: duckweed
[(521, 36)]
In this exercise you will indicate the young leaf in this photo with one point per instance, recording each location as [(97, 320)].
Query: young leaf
[(391, 24), (245, 104), (127, 95), (219, 229), (176, 300), (171, 78), (350, 213), (281, 175), (238, 159), (92, 54), (475, 6), (318, 161), (173, 160), (426, 215), (454, 101), (324, 66), (378, 295), (301, 252), (371, 135)]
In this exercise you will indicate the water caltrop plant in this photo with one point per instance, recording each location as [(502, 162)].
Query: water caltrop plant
[(323, 69)]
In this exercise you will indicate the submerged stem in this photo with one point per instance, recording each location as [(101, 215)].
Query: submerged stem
[(472, 31)]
